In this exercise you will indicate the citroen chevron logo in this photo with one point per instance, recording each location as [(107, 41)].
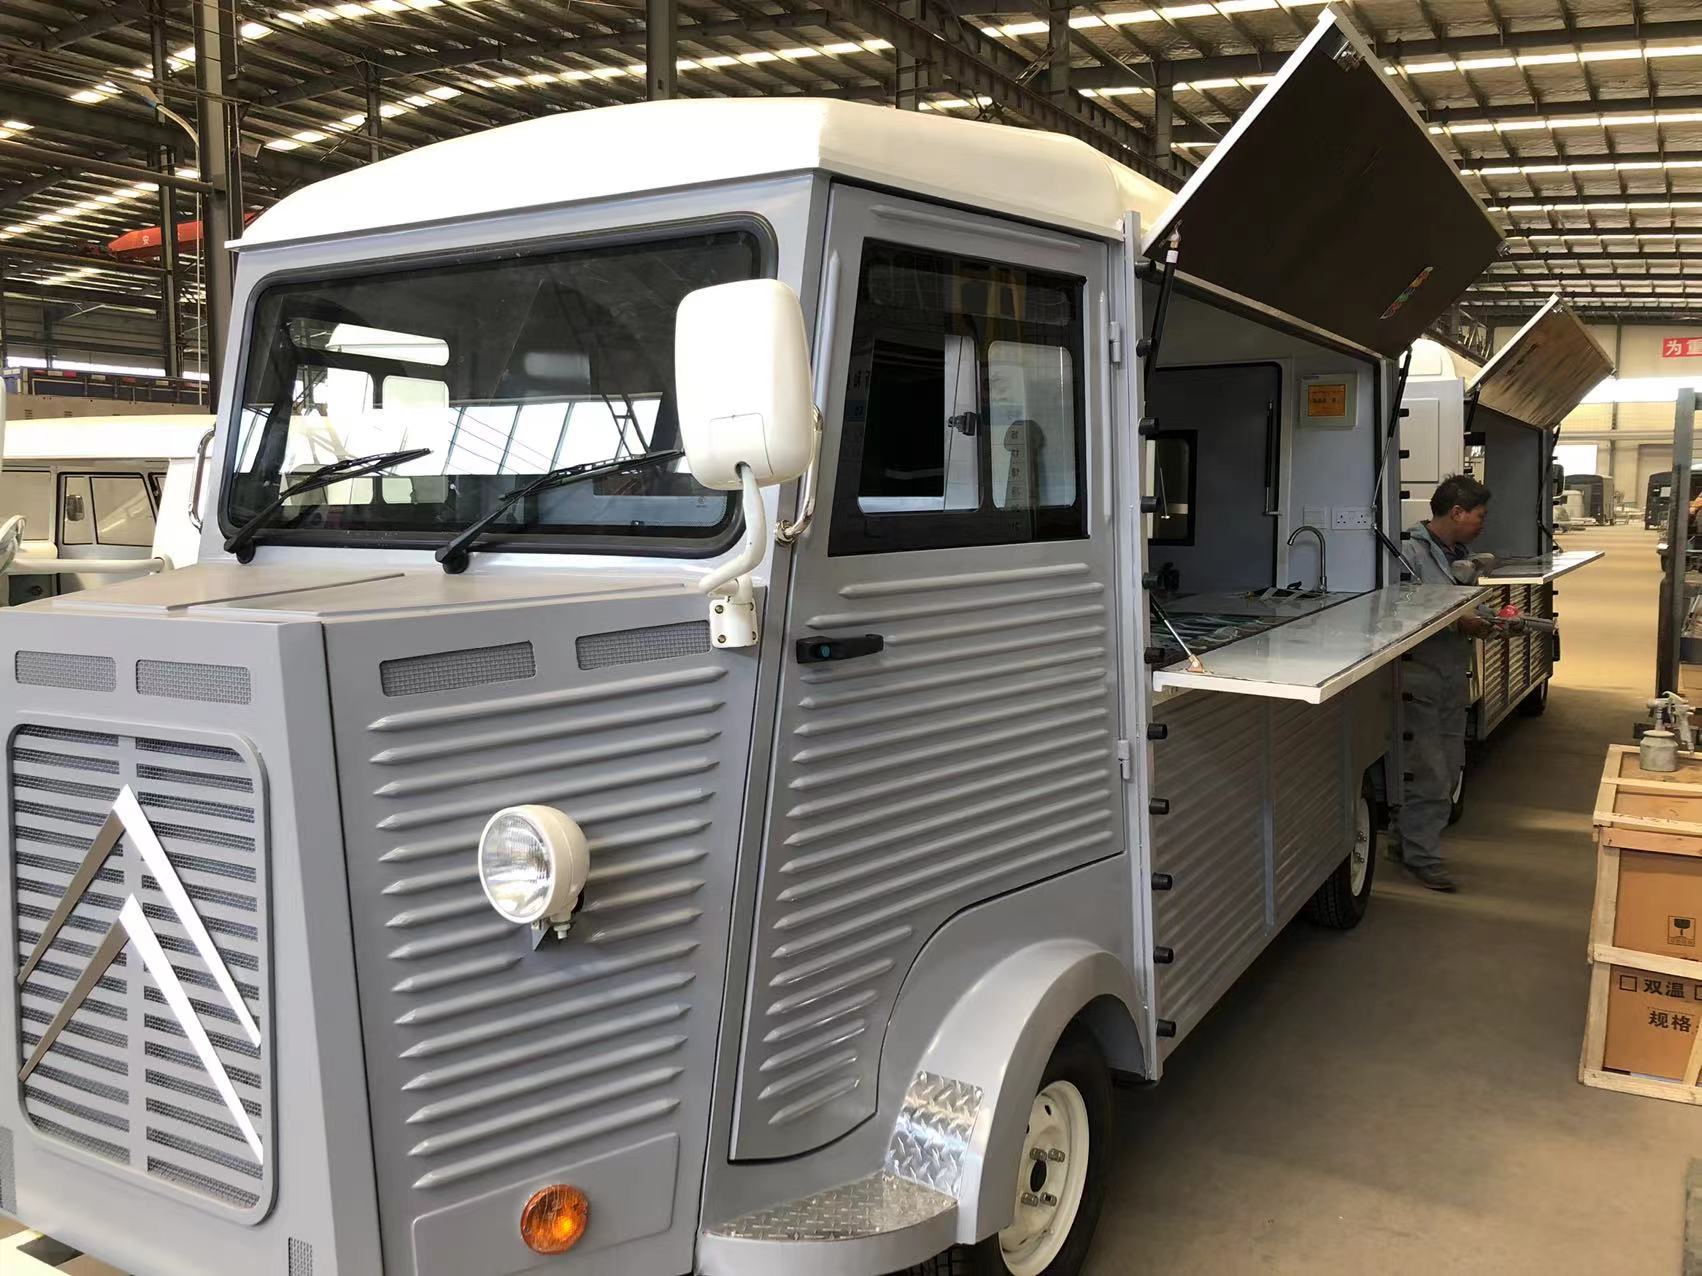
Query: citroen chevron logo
[(126, 819)]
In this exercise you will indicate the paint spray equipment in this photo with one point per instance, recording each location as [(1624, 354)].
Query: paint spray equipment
[(1669, 733)]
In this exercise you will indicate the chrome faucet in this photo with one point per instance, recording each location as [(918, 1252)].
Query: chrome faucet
[(1323, 572)]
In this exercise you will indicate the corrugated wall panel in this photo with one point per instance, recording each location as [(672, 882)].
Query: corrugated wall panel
[(1211, 769), (975, 754), (1310, 794)]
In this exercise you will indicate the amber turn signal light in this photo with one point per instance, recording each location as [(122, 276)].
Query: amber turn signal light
[(554, 1219)]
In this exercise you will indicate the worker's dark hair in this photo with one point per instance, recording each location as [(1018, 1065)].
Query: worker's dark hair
[(1458, 489)]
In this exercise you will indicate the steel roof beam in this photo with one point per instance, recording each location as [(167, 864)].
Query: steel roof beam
[(1515, 42), (23, 253), (111, 124), (119, 15), (1527, 205), (1555, 258), (1568, 110), (981, 66), (129, 172), (515, 51)]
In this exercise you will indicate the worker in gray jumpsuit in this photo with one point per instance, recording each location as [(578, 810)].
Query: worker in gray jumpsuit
[(1434, 678)]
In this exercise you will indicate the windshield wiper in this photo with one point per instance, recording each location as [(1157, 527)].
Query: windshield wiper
[(455, 554), (241, 541)]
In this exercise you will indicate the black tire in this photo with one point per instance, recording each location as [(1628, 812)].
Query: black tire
[(1076, 1059), (1458, 806), (1535, 701), (1336, 904)]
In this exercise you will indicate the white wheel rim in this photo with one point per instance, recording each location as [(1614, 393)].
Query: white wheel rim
[(1459, 787), (1049, 1180), (1359, 859)]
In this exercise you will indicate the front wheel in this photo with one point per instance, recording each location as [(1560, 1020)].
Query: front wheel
[(1060, 1180), (1457, 798), (1342, 900)]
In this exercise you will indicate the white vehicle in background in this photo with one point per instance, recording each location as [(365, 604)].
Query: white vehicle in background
[(100, 499)]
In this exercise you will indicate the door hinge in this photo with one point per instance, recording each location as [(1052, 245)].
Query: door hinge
[(1116, 342), (1125, 759)]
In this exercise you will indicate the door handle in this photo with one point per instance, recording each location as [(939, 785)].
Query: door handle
[(818, 649)]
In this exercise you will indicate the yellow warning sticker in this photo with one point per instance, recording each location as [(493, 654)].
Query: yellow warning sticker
[(1326, 398)]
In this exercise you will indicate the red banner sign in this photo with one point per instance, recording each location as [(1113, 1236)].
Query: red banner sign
[(1681, 348)]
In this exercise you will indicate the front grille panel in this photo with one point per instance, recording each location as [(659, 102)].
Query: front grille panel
[(457, 670), (122, 1081), (68, 671), (180, 680), (491, 1059)]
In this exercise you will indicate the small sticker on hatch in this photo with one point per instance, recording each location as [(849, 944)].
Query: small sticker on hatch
[(1407, 292)]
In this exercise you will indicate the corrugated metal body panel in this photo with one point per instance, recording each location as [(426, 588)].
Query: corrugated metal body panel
[(122, 1082), (1212, 769), (1260, 796), (973, 755), (1542, 645), (1493, 706), (491, 1064), (1518, 648), (1310, 798)]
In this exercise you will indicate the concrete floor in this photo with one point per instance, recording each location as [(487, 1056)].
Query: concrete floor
[(1404, 1097)]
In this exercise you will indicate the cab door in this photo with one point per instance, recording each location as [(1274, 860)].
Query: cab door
[(949, 717), (105, 515)]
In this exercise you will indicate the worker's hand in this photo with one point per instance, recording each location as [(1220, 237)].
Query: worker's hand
[(1475, 627), (1696, 504)]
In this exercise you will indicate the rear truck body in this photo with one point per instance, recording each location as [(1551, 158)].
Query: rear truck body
[(1499, 423), (745, 863)]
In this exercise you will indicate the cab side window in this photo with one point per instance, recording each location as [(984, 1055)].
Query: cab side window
[(963, 420), (105, 509), (29, 493), (124, 512)]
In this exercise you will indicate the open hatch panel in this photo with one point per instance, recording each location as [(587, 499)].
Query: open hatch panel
[(1544, 371), (1330, 203)]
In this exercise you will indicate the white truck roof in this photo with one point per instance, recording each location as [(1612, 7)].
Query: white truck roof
[(652, 146), (94, 438)]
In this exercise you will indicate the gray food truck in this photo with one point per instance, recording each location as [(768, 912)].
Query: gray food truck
[(589, 811), (1500, 424)]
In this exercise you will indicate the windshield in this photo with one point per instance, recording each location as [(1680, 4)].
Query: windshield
[(505, 369)]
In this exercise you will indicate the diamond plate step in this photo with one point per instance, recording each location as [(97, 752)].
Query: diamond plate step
[(876, 1224)]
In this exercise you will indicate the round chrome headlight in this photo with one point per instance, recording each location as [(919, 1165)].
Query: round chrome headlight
[(533, 861)]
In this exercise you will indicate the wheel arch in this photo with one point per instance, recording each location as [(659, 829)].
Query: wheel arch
[(998, 1037)]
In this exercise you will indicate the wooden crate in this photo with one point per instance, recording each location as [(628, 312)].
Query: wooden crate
[(1636, 810), (1690, 682)]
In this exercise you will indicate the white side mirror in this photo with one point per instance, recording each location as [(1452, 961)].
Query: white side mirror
[(742, 378), (747, 420)]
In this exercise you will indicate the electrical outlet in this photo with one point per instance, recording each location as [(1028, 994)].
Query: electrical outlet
[(1352, 518), (1316, 515)]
